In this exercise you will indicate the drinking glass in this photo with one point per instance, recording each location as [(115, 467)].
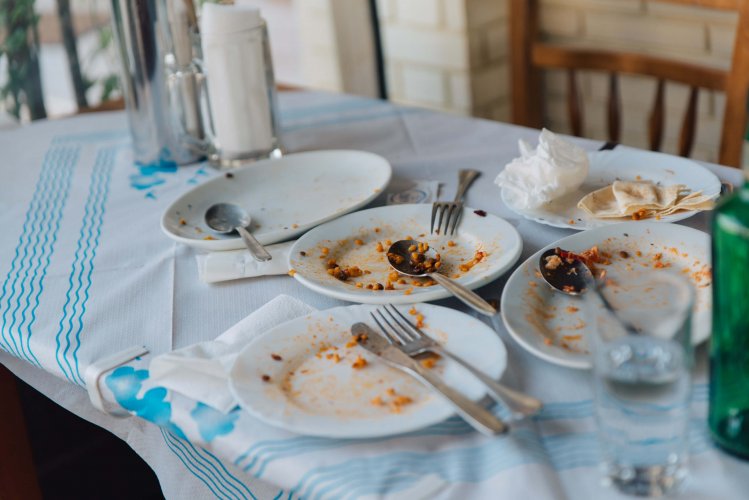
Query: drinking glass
[(642, 360)]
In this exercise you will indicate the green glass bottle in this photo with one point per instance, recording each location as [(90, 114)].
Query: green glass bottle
[(729, 346)]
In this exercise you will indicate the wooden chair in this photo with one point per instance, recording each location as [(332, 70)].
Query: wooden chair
[(529, 54)]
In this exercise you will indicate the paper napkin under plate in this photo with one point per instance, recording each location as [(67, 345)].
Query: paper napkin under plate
[(201, 371)]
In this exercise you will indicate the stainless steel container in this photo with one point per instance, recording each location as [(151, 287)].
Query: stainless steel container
[(156, 39)]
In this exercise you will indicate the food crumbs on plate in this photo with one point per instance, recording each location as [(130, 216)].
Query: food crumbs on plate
[(377, 401), (419, 321), (413, 311), (379, 247), (359, 363), (294, 226), (430, 361), (334, 356), (182, 222), (548, 341), (623, 254), (572, 337), (408, 291), (303, 253), (229, 175), (451, 243), (325, 250), (358, 242), (399, 402), (209, 238), (265, 378), (276, 357), (480, 213), (292, 272), (572, 309), (477, 257), (377, 230), (198, 230), (571, 222)]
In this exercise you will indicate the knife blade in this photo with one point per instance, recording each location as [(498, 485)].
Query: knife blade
[(476, 415)]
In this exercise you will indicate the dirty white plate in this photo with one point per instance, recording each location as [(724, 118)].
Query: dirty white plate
[(352, 241), (622, 163), (541, 320), (284, 197), (309, 393)]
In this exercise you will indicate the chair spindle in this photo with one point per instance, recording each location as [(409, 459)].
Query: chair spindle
[(689, 124), (574, 104), (657, 119), (614, 108)]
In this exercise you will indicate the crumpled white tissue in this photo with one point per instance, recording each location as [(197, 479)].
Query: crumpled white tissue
[(555, 168)]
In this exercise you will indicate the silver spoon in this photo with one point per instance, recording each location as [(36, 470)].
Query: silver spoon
[(227, 217), (573, 277), (405, 266)]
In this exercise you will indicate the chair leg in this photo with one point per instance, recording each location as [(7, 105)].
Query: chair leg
[(18, 478)]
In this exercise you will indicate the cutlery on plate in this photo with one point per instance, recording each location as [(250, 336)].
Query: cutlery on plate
[(413, 341), (383, 346), (572, 276), (400, 256), (454, 209), (224, 218)]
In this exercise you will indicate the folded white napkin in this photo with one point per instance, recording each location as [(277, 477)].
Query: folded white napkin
[(234, 264), (200, 371), (555, 168)]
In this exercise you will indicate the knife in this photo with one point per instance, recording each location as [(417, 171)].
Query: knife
[(476, 415)]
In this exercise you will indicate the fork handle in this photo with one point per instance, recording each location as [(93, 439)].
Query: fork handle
[(464, 294), (465, 178), (518, 403), (473, 413)]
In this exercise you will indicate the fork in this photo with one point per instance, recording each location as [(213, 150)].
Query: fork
[(413, 341), (455, 208)]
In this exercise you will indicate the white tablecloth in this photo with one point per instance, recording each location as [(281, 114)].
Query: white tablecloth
[(87, 272)]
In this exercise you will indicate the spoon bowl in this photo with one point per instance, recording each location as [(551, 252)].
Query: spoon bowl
[(407, 257), (225, 218), (567, 275)]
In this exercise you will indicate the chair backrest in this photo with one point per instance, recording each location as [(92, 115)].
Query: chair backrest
[(529, 55)]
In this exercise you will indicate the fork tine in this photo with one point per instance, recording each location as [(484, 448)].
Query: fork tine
[(458, 215), (383, 330), (393, 331), (406, 333), (442, 207), (435, 206), (406, 324), (451, 209)]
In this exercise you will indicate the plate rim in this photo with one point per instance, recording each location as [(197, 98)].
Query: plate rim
[(584, 363), (379, 299), (236, 243), (604, 223), (445, 410)]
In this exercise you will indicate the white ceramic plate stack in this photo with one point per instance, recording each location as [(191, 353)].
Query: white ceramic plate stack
[(285, 197), (487, 233), (286, 378), (553, 325), (627, 164)]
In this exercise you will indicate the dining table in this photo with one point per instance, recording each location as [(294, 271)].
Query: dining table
[(93, 290)]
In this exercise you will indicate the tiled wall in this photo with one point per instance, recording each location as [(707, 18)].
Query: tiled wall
[(452, 55), (447, 54)]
